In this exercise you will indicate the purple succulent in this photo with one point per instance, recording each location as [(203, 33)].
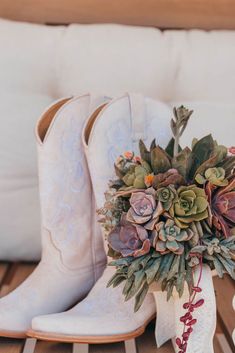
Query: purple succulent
[(129, 239), (144, 209), (222, 203)]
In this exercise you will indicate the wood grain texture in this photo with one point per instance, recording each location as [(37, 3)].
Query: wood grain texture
[(204, 14), (10, 345), (12, 275), (225, 290)]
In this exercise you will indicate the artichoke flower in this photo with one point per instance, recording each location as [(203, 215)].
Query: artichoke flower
[(168, 237), (144, 208), (166, 195), (215, 176), (191, 205), (129, 239), (172, 176), (222, 204), (135, 177)]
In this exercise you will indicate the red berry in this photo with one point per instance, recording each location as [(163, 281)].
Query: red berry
[(196, 289), (192, 322), (178, 341), (199, 303)]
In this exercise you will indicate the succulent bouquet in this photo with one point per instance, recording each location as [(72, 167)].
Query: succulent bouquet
[(168, 211)]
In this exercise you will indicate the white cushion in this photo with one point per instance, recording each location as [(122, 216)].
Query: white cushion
[(41, 63)]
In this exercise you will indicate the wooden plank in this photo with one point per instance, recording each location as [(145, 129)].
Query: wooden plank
[(147, 343), (16, 274), (10, 345), (3, 270), (224, 289), (52, 347), (107, 348), (222, 343), (210, 14), (29, 346)]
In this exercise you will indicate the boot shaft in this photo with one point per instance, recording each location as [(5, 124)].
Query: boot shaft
[(65, 188)]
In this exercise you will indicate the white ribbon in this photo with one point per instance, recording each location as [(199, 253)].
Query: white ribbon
[(168, 325)]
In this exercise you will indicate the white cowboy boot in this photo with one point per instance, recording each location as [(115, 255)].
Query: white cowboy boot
[(104, 316), (73, 256)]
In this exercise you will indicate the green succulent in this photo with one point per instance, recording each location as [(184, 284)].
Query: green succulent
[(167, 236), (191, 205), (136, 174), (214, 247), (215, 176), (166, 195)]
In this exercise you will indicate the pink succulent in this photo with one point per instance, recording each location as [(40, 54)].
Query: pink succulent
[(232, 150), (222, 202), (129, 239), (144, 208)]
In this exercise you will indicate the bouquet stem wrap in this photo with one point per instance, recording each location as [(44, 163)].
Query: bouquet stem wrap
[(168, 324)]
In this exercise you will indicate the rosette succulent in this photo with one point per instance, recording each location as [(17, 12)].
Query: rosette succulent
[(129, 239), (222, 204), (191, 205), (166, 195), (168, 237), (144, 209), (215, 176), (135, 177), (172, 176)]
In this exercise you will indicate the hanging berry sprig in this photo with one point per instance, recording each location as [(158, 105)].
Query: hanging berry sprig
[(188, 319)]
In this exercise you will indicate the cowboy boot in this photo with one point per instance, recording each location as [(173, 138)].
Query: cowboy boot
[(73, 256), (104, 316)]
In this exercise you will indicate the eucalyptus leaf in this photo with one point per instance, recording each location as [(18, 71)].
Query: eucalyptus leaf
[(152, 270), (174, 267), (218, 267), (164, 267), (128, 285), (139, 299), (229, 268), (169, 288), (135, 265), (140, 279)]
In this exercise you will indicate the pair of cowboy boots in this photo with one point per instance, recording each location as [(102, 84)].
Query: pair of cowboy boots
[(78, 141)]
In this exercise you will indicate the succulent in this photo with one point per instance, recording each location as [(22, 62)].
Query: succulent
[(194, 261), (135, 177), (222, 204), (178, 124), (191, 205), (215, 176), (144, 208), (168, 237), (129, 239), (166, 195), (148, 180), (232, 150), (172, 176), (213, 246)]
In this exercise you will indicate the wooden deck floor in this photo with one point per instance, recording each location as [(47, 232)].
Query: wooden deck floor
[(11, 275)]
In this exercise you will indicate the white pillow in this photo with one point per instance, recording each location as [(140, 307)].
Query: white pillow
[(27, 86), (41, 63), (19, 204), (210, 117)]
